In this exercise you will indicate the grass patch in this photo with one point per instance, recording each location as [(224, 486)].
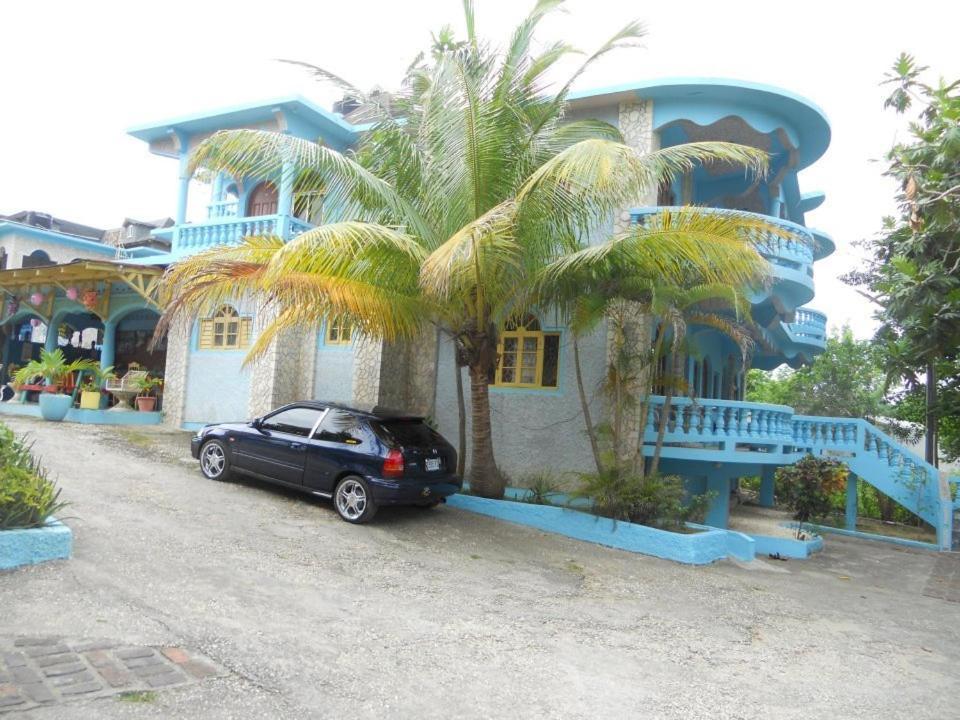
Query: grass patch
[(137, 438), (137, 696)]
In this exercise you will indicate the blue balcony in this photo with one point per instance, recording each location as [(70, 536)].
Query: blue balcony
[(808, 328), (224, 227)]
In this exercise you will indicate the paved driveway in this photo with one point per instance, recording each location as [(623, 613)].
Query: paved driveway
[(448, 614)]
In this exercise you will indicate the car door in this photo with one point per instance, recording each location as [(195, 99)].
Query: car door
[(277, 447), (341, 443)]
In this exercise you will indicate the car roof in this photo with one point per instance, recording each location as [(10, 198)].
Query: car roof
[(373, 412)]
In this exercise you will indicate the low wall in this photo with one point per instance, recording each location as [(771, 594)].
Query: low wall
[(787, 547), (699, 548), (86, 417), (36, 545)]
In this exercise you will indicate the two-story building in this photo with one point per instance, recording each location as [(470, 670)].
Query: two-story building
[(713, 435)]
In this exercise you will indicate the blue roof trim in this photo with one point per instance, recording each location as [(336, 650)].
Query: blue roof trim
[(732, 97), (53, 236), (248, 113)]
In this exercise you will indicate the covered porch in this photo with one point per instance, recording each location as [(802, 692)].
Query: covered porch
[(97, 310)]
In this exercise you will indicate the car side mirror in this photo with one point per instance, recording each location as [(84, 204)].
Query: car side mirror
[(256, 423)]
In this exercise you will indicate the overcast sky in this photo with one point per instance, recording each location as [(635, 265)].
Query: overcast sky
[(77, 75)]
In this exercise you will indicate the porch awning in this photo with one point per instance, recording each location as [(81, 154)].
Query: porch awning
[(52, 282)]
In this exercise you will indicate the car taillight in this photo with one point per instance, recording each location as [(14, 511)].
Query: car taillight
[(393, 464)]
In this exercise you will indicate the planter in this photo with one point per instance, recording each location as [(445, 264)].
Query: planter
[(90, 399), (55, 407), (146, 404), (36, 545)]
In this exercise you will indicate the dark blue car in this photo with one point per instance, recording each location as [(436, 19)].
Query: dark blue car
[(362, 459)]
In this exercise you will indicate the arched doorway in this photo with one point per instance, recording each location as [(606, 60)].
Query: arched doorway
[(263, 200)]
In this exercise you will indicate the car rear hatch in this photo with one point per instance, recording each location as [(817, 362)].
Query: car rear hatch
[(425, 452)]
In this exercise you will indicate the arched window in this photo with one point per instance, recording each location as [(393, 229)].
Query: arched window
[(38, 258), (226, 330), (263, 200), (529, 357)]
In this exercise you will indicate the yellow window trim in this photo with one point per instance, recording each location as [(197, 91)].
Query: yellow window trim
[(520, 336), (343, 329), (226, 323)]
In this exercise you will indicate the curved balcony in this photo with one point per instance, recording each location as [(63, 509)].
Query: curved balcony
[(229, 230), (720, 422), (790, 252), (808, 328)]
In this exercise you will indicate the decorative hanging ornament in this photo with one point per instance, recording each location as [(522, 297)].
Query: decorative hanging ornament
[(72, 293), (89, 299), (12, 306), (36, 298)]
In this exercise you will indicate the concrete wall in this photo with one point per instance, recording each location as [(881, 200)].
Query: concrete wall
[(217, 384), (333, 371), (533, 430)]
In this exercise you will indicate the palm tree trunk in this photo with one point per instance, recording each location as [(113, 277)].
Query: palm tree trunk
[(585, 407), (675, 369), (485, 478), (462, 417)]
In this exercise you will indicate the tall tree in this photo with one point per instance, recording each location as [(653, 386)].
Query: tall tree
[(914, 270), (455, 207)]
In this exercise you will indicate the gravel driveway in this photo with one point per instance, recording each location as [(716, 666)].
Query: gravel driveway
[(448, 614)]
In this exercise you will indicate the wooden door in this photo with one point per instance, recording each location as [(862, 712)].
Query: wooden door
[(263, 200)]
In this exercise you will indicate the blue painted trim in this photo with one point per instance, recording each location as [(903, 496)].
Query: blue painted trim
[(86, 417), (192, 425), (871, 536), (695, 549), (8, 226), (339, 347), (35, 545), (787, 547)]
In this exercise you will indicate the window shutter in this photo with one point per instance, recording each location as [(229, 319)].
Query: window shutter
[(206, 335), (246, 326)]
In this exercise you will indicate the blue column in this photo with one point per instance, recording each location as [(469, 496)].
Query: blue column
[(183, 175), (851, 515), (108, 352), (285, 199), (766, 485), (50, 343), (719, 511)]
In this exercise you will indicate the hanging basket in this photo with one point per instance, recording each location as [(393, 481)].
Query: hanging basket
[(72, 294), (36, 299)]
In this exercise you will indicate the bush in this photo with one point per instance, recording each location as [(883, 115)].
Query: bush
[(660, 501), (27, 496), (809, 486), (540, 488)]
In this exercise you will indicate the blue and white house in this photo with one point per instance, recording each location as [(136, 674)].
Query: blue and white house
[(713, 437)]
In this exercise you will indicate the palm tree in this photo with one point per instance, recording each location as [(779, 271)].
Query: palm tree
[(454, 208)]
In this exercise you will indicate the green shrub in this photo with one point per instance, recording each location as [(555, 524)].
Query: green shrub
[(660, 501), (541, 487), (810, 486), (27, 496)]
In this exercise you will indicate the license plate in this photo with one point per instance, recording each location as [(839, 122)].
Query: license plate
[(433, 464)]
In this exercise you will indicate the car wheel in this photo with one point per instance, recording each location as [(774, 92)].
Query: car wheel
[(353, 500), (214, 461)]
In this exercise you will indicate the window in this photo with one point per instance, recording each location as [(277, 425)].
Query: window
[(339, 331), (226, 330), (528, 357), (340, 426), (295, 421)]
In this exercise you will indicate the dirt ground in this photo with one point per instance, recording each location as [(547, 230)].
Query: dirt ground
[(448, 614)]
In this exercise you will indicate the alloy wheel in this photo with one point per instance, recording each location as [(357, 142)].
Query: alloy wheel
[(351, 499), (212, 460)]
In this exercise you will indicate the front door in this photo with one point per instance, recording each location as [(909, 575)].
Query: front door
[(278, 448), (263, 200)]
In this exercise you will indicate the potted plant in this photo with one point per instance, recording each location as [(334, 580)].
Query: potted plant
[(55, 370), (146, 401), (92, 390)]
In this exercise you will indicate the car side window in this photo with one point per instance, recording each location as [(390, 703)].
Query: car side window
[(341, 426), (295, 421)]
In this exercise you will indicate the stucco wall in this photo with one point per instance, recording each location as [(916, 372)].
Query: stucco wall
[(333, 372), (532, 429), (217, 386)]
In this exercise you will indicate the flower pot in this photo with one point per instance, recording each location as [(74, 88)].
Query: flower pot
[(90, 399), (55, 407), (146, 404)]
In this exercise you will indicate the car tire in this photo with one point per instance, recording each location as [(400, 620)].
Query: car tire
[(353, 500), (215, 461)]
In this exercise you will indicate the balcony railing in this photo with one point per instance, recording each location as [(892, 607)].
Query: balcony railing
[(194, 237), (715, 421), (809, 327), (792, 247)]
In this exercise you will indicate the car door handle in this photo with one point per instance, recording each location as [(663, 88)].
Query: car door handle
[(296, 446)]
